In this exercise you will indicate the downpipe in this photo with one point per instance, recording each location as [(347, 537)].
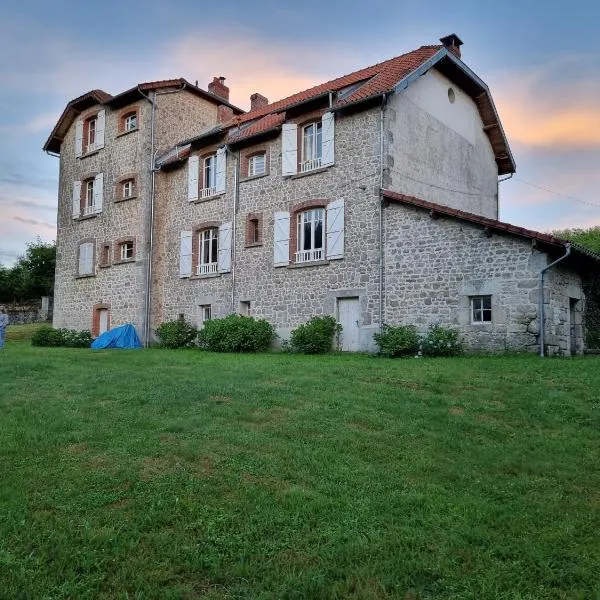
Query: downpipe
[(541, 313)]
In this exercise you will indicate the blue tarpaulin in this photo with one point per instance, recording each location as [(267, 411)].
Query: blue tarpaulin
[(124, 336)]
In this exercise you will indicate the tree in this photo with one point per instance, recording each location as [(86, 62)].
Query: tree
[(588, 238)]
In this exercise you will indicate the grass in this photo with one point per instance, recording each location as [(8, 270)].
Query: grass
[(182, 474), (22, 332)]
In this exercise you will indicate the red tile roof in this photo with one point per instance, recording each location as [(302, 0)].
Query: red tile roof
[(484, 221)]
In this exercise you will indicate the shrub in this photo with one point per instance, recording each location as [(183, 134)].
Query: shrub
[(49, 337), (176, 334), (402, 340), (441, 341), (316, 336), (236, 333)]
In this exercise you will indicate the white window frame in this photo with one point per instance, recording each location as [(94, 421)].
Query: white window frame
[(205, 314), (245, 308), (131, 122), (312, 151), (127, 189), (314, 252), (92, 126), (255, 231), (88, 206), (477, 307), (126, 249), (254, 166), (209, 176), (208, 260)]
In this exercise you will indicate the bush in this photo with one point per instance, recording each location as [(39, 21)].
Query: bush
[(441, 341), (402, 340), (176, 334), (316, 336), (49, 337), (236, 333)]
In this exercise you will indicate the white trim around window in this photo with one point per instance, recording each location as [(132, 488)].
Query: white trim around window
[(481, 309)]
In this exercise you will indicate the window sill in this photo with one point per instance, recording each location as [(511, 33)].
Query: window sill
[(87, 276), (206, 276), (253, 177), (90, 153), (308, 263), (86, 217), (125, 199), (312, 172), (253, 245), (482, 324), (213, 197), (124, 261), (122, 133), (104, 266)]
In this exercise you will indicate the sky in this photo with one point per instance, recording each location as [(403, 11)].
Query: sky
[(541, 64)]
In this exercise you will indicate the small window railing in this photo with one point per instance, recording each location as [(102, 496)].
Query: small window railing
[(209, 191), (309, 255), (206, 268), (88, 210), (310, 165)]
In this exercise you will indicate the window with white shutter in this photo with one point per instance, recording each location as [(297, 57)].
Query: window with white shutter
[(98, 192), (100, 125), (193, 167), (289, 149), (76, 199), (224, 252), (281, 239), (221, 168), (328, 128), (335, 229), (185, 254), (79, 138), (86, 259)]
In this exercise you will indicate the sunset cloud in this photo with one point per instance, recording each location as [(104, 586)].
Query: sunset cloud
[(542, 108)]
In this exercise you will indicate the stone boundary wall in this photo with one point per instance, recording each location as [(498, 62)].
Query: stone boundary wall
[(33, 311)]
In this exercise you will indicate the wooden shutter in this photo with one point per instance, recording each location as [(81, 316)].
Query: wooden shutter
[(328, 124), (281, 242), (185, 254), (225, 248), (289, 149), (98, 192), (193, 171), (76, 199), (79, 138), (335, 229), (86, 259), (100, 126), (221, 167)]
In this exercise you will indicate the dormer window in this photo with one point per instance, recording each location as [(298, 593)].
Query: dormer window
[(129, 120), (89, 133)]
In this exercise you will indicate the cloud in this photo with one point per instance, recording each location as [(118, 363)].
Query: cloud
[(35, 222), (543, 108)]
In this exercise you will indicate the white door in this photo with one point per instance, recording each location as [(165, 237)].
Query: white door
[(102, 320), (348, 315)]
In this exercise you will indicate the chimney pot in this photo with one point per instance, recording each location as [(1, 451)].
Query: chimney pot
[(257, 101), (453, 43)]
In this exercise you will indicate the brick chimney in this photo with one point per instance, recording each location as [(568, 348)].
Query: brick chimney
[(257, 101), (453, 43), (218, 88)]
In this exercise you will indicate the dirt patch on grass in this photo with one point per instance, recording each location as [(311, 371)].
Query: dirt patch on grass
[(77, 448), (394, 382), (457, 411), (220, 399)]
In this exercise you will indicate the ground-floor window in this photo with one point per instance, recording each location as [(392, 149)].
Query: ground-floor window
[(481, 309), (205, 314)]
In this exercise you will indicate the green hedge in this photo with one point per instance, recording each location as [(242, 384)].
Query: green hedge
[(314, 337), (49, 337), (236, 333)]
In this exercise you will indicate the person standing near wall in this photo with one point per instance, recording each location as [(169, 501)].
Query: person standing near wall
[(3, 325)]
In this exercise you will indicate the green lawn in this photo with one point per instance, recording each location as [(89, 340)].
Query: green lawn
[(182, 474)]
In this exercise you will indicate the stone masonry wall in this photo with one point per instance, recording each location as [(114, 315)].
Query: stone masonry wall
[(285, 296), (433, 266), (120, 285)]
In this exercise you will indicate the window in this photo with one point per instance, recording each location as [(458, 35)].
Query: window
[(130, 122), (253, 229), (205, 314), (481, 309), (105, 256), (209, 176), (88, 198), (126, 250), (86, 259), (90, 139), (256, 165), (89, 133), (208, 241), (245, 308), (310, 235), (127, 189), (312, 146)]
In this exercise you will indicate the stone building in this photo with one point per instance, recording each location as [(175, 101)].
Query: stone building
[(372, 197)]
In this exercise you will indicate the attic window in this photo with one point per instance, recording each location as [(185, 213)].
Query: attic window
[(348, 90), (451, 96)]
